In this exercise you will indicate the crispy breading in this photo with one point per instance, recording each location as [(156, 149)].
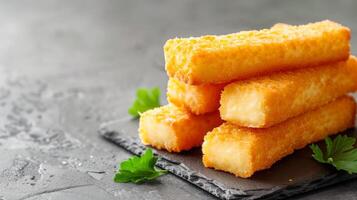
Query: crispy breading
[(243, 151), (268, 100), (237, 56), (175, 129), (280, 26), (198, 99)]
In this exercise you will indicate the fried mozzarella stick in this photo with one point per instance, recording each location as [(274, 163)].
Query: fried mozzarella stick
[(221, 59), (243, 151), (268, 100), (198, 99), (175, 129)]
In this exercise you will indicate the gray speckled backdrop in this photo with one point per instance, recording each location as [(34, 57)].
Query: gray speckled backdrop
[(68, 66)]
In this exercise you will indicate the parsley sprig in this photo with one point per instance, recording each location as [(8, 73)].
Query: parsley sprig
[(139, 169), (339, 152), (146, 99)]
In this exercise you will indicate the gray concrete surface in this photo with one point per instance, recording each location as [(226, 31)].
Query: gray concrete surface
[(67, 66)]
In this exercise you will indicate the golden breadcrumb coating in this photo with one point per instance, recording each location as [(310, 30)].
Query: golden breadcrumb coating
[(268, 100), (175, 129), (243, 151), (280, 26), (198, 99), (221, 59)]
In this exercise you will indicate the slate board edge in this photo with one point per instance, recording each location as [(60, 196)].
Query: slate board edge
[(213, 187)]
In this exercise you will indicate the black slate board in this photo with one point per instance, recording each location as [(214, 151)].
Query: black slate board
[(295, 174)]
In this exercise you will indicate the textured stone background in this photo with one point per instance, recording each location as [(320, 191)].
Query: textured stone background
[(67, 66)]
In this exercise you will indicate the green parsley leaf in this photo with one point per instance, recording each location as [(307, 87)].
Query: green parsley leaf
[(340, 153), (146, 99), (139, 169), (318, 155)]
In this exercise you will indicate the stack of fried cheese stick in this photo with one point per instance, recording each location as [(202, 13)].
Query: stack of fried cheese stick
[(191, 113), (276, 90)]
